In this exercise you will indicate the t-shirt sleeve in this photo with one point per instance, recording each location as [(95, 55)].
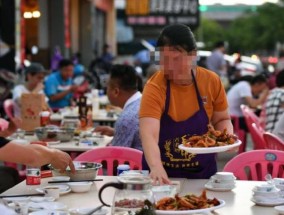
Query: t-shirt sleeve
[(3, 141), (152, 102), (245, 90), (17, 93), (50, 86)]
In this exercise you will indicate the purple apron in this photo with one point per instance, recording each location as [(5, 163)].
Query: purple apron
[(179, 163)]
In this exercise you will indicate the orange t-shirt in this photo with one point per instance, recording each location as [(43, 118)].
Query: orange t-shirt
[(183, 99)]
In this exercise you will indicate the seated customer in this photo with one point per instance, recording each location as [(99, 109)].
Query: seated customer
[(244, 92), (59, 86), (35, 74), (274, 105), (122, 91)]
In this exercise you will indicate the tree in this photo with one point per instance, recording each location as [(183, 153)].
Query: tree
[(209, 32), (257, 31)]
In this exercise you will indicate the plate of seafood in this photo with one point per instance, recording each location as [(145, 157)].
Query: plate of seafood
[(211, 142), (188, 204)]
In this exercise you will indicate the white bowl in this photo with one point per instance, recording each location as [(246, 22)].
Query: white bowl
[(223, 185), (278, 181), (60, 178), (80, 187), (224, 176), (265, 188)]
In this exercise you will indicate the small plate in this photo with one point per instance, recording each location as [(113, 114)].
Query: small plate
[(83, 211), (17, 199), (206, 150), (280, 209), (209, 186), (63, 189), (267, 202), (42, 199), (35, 206), (48, 212)]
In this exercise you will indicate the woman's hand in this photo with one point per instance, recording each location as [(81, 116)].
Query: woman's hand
[(61, 160), (159, 176), (105, 130)]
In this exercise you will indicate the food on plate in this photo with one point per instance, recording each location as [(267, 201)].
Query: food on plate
[(187, 202), (212, 138)]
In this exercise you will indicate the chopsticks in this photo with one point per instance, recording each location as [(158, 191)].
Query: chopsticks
[(54, 182), (22, 195), (94, 210)]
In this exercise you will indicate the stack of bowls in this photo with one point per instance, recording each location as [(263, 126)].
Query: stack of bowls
[(266, 192), (279, 183), (222, 180)]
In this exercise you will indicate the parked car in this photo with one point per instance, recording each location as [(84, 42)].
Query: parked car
[(248, 65)]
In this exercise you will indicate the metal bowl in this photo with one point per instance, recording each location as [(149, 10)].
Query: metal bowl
[(54, 134), (84, 171)]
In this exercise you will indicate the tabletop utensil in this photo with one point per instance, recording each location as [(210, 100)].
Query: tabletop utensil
[(54, 182), (22, 195), (94, 210), (269, 179)]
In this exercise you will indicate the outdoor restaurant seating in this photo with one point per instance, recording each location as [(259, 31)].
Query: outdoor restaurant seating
[(240, 133), (257, 137), (256, 164), (250, 118), (273, 142), (111, 157)]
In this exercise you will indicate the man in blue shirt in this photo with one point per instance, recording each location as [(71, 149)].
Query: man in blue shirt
[(59, 87), (122, 91)]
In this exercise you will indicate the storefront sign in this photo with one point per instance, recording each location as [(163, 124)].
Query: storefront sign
[(162, 12)]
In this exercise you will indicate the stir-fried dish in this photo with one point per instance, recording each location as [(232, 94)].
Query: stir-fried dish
[(212, 138), (187, 202)]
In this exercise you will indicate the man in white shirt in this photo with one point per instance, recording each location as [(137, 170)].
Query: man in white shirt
[(35, 74), (122, 91), (244, 92)]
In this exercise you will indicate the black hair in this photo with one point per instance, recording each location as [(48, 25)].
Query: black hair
[(219, 44), (125, 75), (258, 79), (280, 79), (177, 35), (64, 63)]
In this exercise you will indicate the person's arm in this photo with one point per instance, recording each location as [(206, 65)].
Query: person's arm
[(253, 103), (62, 94), (14, 124), (105, 130), (149, 132), (35, 155), (221, 120)]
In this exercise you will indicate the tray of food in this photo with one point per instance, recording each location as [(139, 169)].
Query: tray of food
[(211, 142)]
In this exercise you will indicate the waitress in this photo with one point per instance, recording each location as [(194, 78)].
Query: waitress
[(180, 101)]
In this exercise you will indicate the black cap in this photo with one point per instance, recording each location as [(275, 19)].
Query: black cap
[(35, 68)]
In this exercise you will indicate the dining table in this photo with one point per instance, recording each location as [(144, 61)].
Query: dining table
[(74, 145), (102, 117), (237, 201)]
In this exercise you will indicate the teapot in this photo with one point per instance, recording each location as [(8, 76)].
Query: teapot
[(130, 196)]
